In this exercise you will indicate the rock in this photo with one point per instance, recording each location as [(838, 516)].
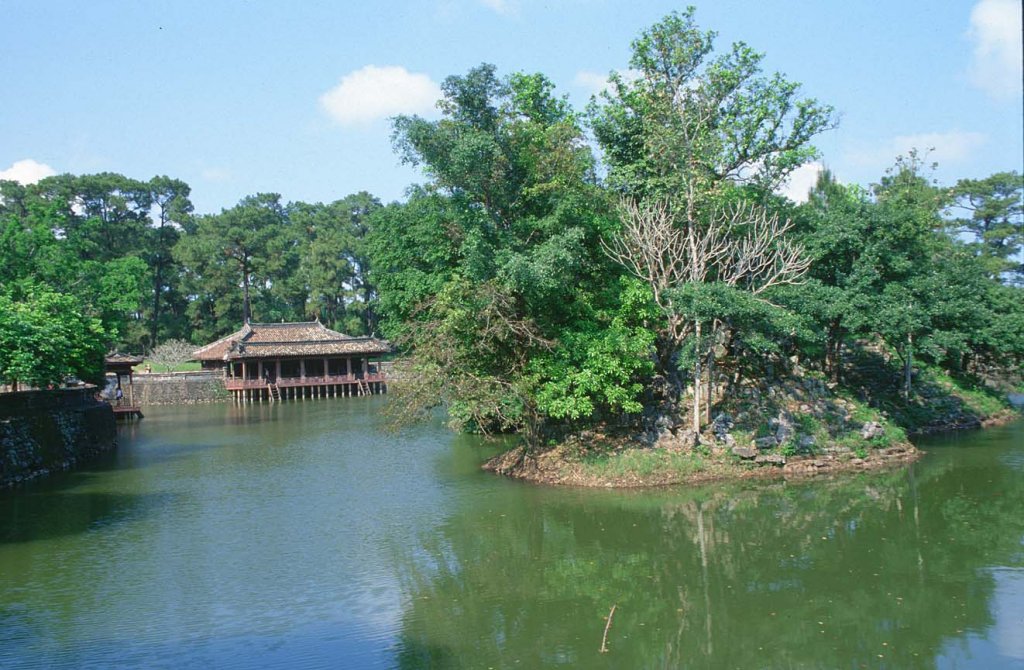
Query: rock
[(722, 423), (730, 441), (663, 423), (746, 453), (770, 459), (720, 428), (683, 440), (871, 430), (806, 442), (767, 442)]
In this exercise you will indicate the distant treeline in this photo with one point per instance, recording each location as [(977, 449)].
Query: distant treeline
[(96, 262)]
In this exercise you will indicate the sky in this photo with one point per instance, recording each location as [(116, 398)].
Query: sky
[(240, 97)]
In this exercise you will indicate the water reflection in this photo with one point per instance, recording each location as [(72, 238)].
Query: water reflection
[(302, 535), (879, 570)]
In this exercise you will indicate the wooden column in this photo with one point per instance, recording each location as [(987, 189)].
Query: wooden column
[(302, 368), (277, 370), (348, 366)]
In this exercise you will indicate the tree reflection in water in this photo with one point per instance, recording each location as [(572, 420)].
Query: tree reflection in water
[(879, 570)]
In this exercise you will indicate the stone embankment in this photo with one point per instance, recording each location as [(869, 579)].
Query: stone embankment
[(51, 431), (179, 388)]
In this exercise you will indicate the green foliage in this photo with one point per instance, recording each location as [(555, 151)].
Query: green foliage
[(45, 338), (994, 221), (512, 217), (600, 364), (334, 266), (695, 120), (884, 269), (496, 276)]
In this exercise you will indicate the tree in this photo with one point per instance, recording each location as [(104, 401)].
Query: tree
[(334, 266), (693, 124), (75, 236), (45, 338), (171, 353), (495, 266), (244, 247), (741, 247), (170, 198), (995, 221), (680, 138)]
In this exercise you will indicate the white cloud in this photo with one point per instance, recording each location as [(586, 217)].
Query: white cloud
[(943, 148), (373, 92), (215, 174), (503, 7), (595, 82), (996, 32), (27, 171), (801, 181)]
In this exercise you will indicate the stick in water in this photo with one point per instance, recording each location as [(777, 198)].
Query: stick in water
[(604, 638)]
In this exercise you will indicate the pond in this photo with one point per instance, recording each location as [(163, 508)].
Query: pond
[(302, 535)]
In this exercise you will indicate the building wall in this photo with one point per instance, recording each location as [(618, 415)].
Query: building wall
[(179, 388), (50, 431)]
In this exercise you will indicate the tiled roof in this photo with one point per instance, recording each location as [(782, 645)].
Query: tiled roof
[(266, 340), (122, 359)]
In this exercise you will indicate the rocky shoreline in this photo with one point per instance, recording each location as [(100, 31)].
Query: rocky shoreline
[(556, 467), (802, 431)]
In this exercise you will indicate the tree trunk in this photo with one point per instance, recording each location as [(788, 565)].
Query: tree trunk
[(833, 351), (157, 282), (908, 363), (696, 380), (246, 308), (709, 397)]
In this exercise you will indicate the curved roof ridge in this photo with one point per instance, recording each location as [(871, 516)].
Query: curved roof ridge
[(231, 336)]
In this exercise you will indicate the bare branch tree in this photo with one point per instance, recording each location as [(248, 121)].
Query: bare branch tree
[(761, 256), (171, 353), (740, 245)]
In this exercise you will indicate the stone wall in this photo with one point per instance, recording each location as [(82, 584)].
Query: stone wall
[(179, 388), (50, 431)]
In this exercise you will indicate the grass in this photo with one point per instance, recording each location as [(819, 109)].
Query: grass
[(187, 366), (640, 463), (979, 399)]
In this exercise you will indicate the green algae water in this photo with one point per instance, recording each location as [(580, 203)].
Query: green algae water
[(302, 535)]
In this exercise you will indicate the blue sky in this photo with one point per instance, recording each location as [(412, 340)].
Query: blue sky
[(243, 97)]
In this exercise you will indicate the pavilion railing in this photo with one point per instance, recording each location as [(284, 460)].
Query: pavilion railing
[(237, 384)]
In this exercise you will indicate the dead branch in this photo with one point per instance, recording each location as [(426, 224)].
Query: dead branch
[(607, 625)]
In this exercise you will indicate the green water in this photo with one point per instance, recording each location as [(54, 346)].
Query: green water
[(301, 535)]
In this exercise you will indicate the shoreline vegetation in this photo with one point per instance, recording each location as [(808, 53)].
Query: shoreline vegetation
[(616, 459)]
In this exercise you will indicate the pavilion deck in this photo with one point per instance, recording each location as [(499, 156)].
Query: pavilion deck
[(299, 388), (127, 412)]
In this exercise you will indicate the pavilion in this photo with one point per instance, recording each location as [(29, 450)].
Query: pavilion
[(123, 367), (271, 361)]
